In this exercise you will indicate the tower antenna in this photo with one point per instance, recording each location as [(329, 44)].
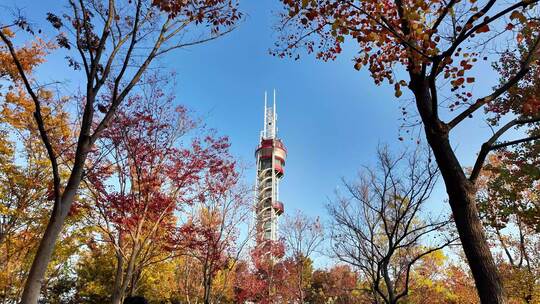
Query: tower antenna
[(265, 106), (274, 118)]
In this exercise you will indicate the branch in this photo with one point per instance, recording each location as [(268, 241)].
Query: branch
[(484, 100), (128, 53), (304, 36), (101, 46), (78, 38), (192, 43), (39, 120), (489, 145), (117, 98), (445, 11), (514, 142), (414, 260), (386, 25), (524, 69), (466, 34)]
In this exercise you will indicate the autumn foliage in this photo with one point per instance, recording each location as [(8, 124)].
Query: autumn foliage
[(112, 190), (433, 49)]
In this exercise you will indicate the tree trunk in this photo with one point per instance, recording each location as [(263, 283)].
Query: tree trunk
[(134, 281), (462, 199), (121, 292), (388, 283), (117, 295), (43, 255), (477, 251), (32, 287), (461, 195), (207, 287)]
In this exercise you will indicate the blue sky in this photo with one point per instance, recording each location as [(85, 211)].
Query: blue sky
[(330, 116)]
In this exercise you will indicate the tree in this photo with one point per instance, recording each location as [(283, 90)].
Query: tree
[(264, 282), (377, 227), (21, 196), (461, 285), (31, 55), (113, 43), (302, 236), (437, 43), (95, 274), (158, 177), (428, 282), (222, 206), (338, 285), (509, 182), (507, 200), (19, 188), (25, 183)]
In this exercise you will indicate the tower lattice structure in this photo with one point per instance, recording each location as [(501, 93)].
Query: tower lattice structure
[(270, 156)]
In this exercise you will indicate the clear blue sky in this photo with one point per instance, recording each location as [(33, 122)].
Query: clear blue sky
[(330, 116)]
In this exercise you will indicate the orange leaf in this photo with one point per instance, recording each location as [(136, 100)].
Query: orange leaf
[(458, 81)]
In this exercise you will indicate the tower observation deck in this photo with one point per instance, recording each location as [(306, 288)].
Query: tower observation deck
[(270, 156)]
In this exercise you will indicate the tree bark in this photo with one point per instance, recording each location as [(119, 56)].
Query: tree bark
[(461, 194), (462, 199), (477, 251), (388, 283), (116, 295), (207, 287), (32, 287), (120, 293)]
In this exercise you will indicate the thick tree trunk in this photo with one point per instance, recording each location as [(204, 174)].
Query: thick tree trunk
[(477, 251), (462, 198), (32, 287), (117, 297), (388, 283), (36, 275)]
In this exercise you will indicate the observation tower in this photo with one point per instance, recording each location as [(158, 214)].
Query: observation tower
[(270, 155)]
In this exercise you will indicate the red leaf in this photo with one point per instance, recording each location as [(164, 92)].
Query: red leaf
[(483, 29)]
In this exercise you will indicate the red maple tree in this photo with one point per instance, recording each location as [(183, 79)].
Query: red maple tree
[(266, 280), (150, 169)]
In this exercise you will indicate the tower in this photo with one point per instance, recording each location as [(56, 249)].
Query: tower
[(270, 156)]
